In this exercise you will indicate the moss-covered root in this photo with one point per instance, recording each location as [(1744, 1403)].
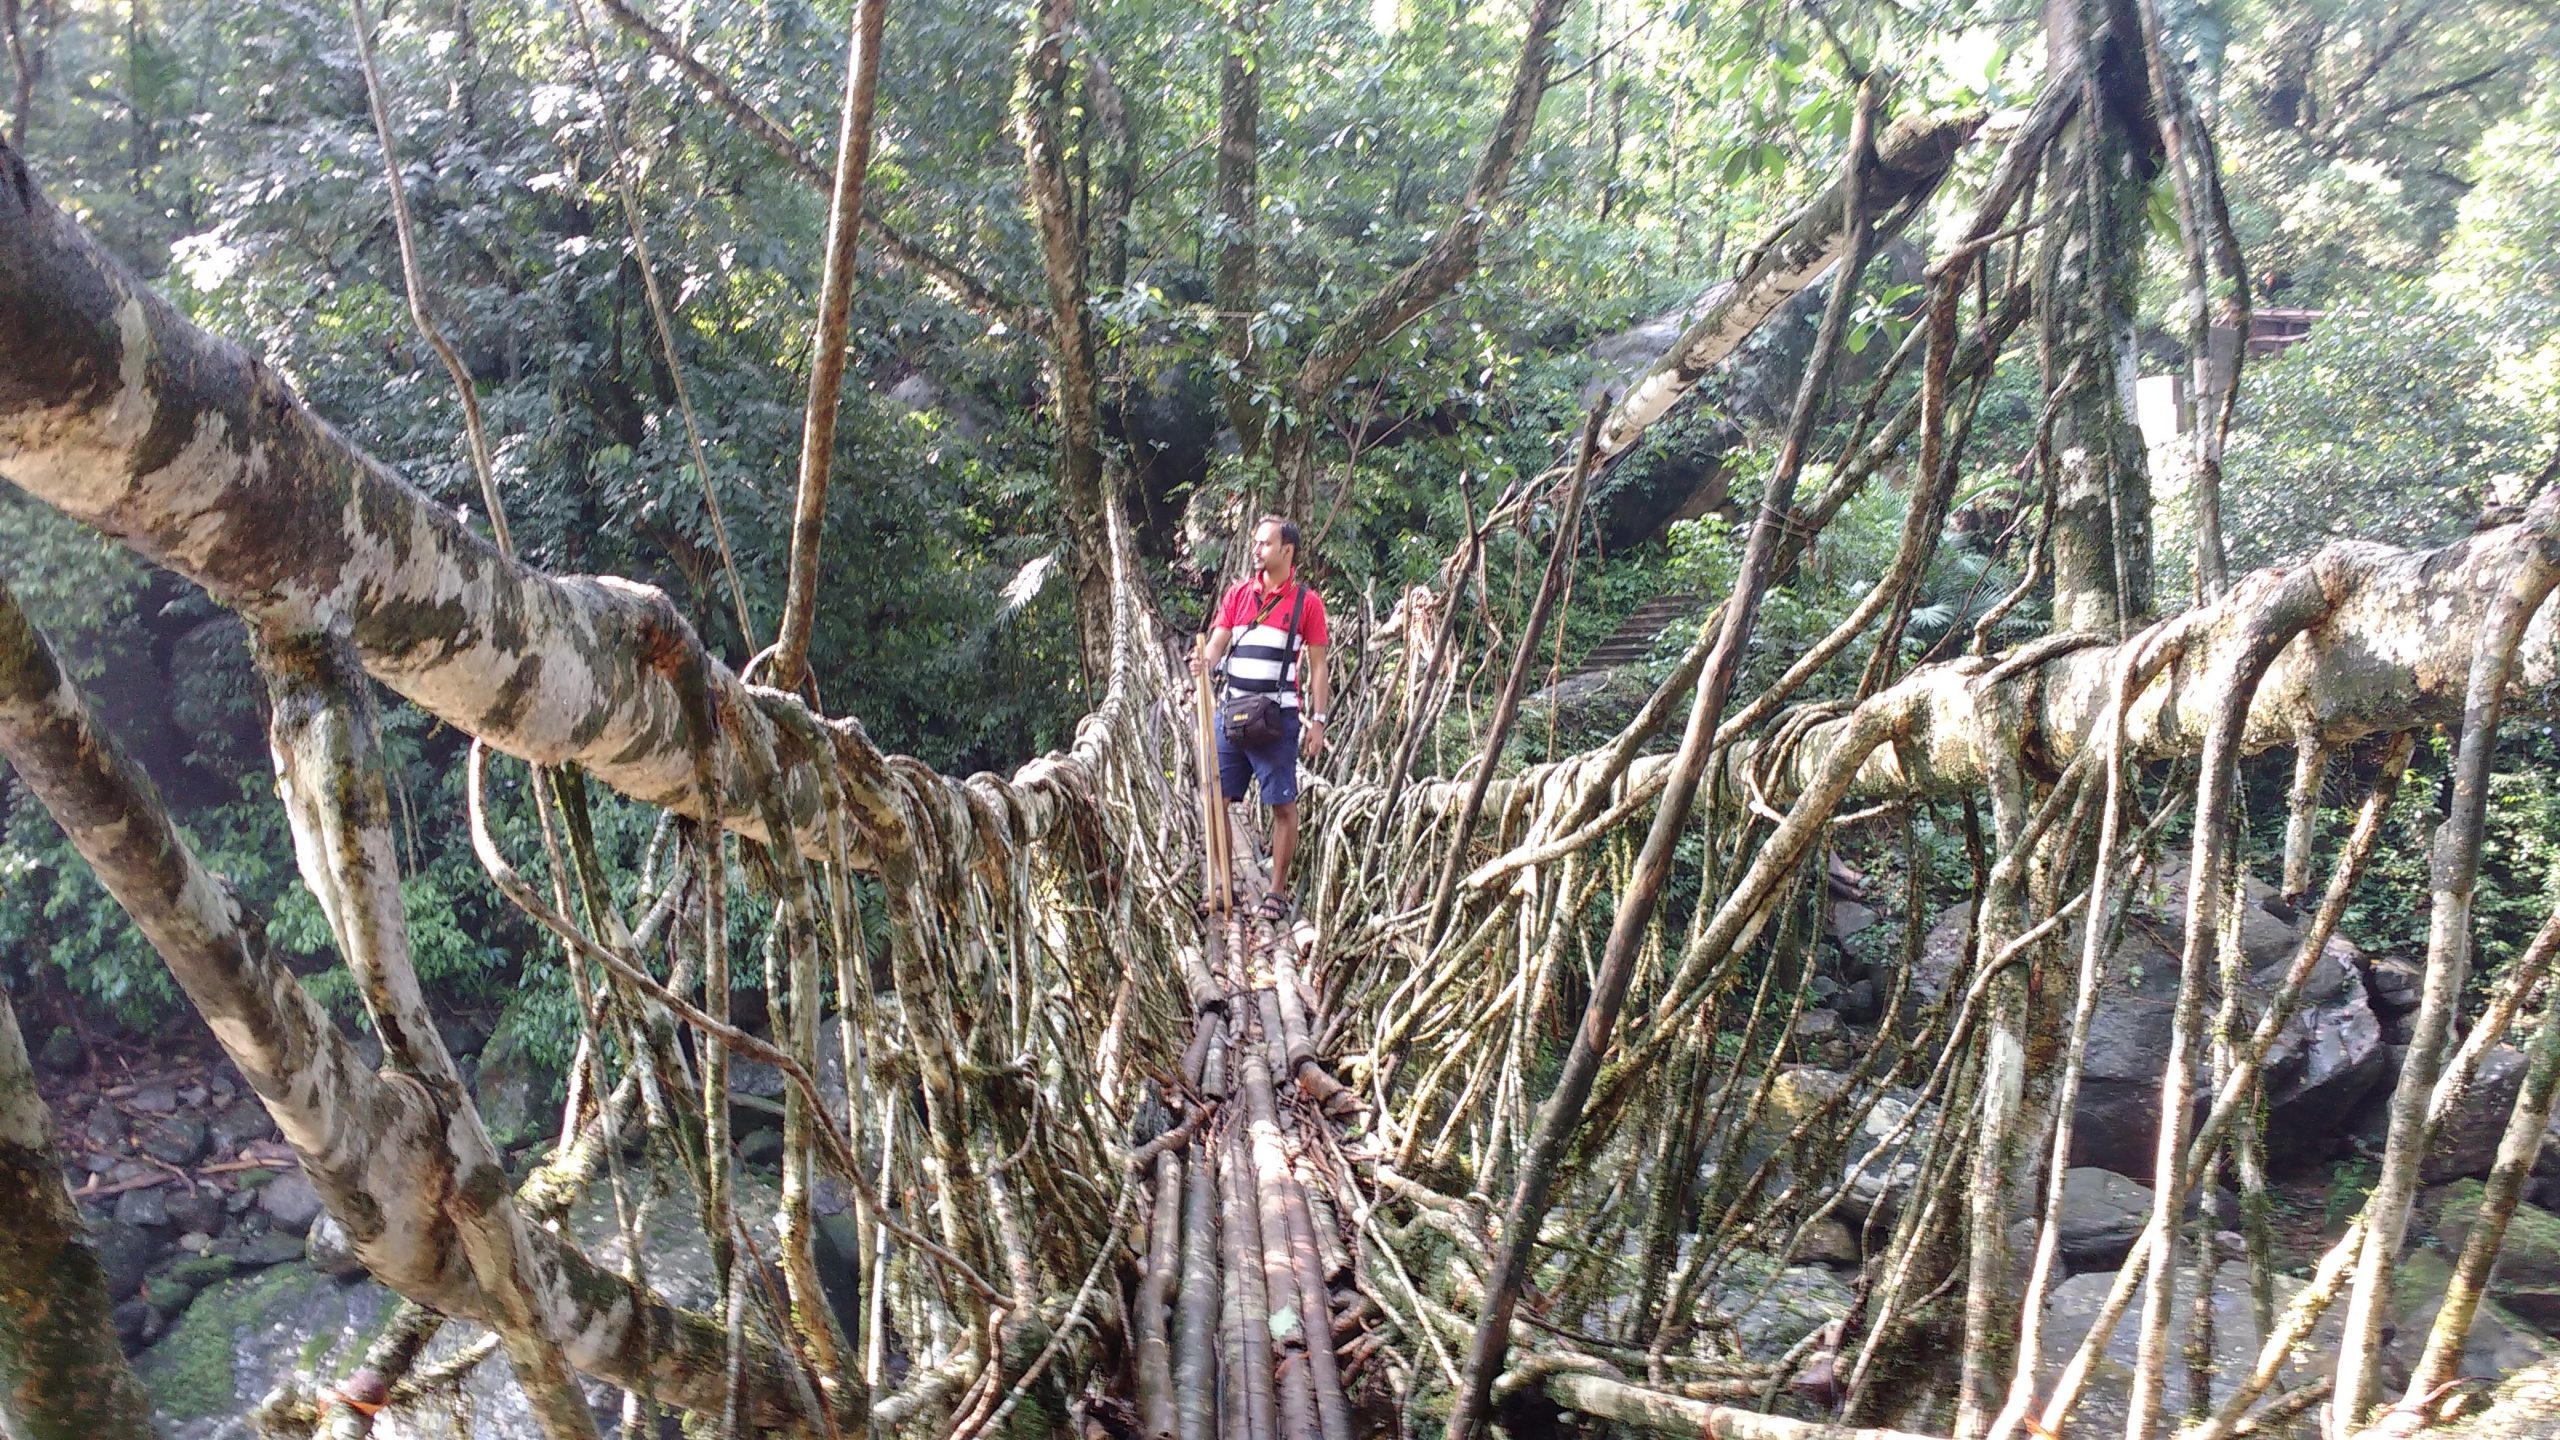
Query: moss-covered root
[(62, 1375)]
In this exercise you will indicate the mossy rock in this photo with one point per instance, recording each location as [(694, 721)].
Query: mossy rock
[(1770, 1308), (2528, 1256), (242, 1334), (2526, 1279), (2500, 1343), (168, 1294), (203, 1270)]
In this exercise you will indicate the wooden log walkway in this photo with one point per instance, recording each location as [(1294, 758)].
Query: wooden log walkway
[(1252, 1321)]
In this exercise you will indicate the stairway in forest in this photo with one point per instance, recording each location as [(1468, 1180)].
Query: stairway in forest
[(1633, 639)]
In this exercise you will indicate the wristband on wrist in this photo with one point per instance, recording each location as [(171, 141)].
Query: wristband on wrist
[(1315, 717)]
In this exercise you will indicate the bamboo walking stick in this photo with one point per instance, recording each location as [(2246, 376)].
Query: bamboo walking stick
[(1217, 885)]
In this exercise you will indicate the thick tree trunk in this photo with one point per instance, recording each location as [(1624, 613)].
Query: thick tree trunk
[(1236, 203), (2098, 182), (2390, 653), (62, 1374), (1085, 486), (329, 770)]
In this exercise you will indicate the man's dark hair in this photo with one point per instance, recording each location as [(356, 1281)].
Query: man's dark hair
[(1288, 529)]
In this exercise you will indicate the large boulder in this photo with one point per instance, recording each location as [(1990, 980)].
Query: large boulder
[(2498, 1346), (2102, 1215), (2526, 1279), (2395, 983), (2116, 1124), (62, 1052), (2325, 1062), (194, 1210), (244, 1335), (1796, 1095), (1879, 1158), (2073, 1304), (1883, 1158), (2267, 937), (2500, 1343), (1677, 471), (2467, 1142)]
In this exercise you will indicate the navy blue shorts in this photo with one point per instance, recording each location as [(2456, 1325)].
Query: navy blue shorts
[(1275, 764)]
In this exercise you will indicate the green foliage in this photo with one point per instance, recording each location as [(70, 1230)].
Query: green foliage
[(1855, 552), (2386, 424), (2519, 882), (69, 580), (2349, 126), (2350, 1182)]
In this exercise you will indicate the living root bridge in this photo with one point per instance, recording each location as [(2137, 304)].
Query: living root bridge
[(1060, 887)]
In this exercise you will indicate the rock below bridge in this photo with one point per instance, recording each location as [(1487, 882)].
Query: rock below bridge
[(2328, 1058)]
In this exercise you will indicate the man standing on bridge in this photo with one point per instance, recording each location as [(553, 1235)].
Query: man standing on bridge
[(1268, 632)]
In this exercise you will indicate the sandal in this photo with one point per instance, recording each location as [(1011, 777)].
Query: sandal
[(1275, 907)]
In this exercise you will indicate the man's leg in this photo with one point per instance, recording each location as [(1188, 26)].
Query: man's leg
[(1284, 844), (1280, 792)]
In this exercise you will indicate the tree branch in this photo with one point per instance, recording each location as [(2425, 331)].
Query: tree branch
[(948, 276), (119, 412), (1450, 259), (1912, 157), (826, 361)]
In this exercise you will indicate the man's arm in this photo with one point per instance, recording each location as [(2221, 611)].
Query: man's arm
[(1319, 696)]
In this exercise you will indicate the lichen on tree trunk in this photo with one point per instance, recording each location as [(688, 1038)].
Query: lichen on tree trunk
[(2096, 185), (63, 1374)]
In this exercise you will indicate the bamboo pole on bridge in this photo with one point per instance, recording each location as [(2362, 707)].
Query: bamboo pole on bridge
[(1217, 881)]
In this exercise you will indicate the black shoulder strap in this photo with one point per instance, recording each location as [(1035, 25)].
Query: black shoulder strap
[(1290, 645)]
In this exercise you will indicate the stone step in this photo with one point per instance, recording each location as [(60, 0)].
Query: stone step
[(1633, 639)]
